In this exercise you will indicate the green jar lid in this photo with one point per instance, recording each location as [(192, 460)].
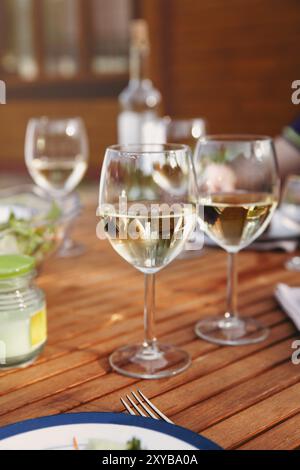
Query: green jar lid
[(15, 265)]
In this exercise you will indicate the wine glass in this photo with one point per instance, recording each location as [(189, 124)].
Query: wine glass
[(185, 131), (56, 155), (238, 191), (147, 220), (290, 211)]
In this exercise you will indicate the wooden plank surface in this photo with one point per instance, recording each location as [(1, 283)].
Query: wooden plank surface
[(227, 69), (241, 397)]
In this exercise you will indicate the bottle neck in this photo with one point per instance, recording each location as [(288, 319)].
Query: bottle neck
[(139, 64)]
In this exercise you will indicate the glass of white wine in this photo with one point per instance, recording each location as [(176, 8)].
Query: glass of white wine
[(56, 155), (147, 221), (238, 191)]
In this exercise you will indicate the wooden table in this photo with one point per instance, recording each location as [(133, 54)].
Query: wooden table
[(241, 397)]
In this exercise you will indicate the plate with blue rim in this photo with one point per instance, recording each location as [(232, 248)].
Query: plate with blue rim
[(100, 431)]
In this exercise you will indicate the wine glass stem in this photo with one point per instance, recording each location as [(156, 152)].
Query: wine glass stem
[(149, 312), (231, 287)]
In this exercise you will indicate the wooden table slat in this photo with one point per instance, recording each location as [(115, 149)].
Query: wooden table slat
[(245, 425), (284, 436)]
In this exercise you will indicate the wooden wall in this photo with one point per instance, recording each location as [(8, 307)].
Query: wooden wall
[(232, 61), (99, 115)]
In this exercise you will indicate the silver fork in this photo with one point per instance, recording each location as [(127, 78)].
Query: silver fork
[(147, 411)]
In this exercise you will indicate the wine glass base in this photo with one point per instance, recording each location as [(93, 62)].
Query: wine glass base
[(293, 264), (145, 363), (70, 249), (231, 331)]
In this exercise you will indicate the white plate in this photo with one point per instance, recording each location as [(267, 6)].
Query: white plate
[(58, 432)]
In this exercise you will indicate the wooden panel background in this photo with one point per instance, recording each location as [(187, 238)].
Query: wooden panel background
[(231, 61), (99, 115)]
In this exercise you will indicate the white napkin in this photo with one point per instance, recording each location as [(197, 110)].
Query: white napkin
[(289, 299), (289, 246)]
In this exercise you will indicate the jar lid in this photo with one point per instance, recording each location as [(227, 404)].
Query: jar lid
[(15, 265)]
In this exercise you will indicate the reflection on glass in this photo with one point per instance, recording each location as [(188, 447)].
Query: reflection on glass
[(61, 21), (18, 45), (110, 33)]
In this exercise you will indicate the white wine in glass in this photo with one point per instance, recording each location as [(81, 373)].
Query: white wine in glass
[(59, 176), (234, 220), (151, 240), (238, 190), (148, 224)]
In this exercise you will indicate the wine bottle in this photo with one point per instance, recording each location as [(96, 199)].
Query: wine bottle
[(140, 101)]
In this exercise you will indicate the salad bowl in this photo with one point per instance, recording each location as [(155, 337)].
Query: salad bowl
[(32, 223)]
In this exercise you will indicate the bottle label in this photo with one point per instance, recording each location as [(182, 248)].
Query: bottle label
[(132, 127), (38, 328)]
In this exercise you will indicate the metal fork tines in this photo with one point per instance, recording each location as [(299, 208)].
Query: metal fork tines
[(139, 401)]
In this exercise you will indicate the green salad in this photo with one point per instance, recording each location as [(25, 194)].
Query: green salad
[(34, 237), (101, 444)]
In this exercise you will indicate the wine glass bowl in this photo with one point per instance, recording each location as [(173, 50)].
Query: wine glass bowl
[(147, 221), (238, 191), (56, 155)]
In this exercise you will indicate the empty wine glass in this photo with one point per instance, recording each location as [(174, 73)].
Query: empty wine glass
[(56, 155), (185, 131), (147, 220), (179, 131), (238, 187), (188, 132)]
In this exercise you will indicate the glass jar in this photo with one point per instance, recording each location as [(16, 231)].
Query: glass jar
[(23, 318)]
